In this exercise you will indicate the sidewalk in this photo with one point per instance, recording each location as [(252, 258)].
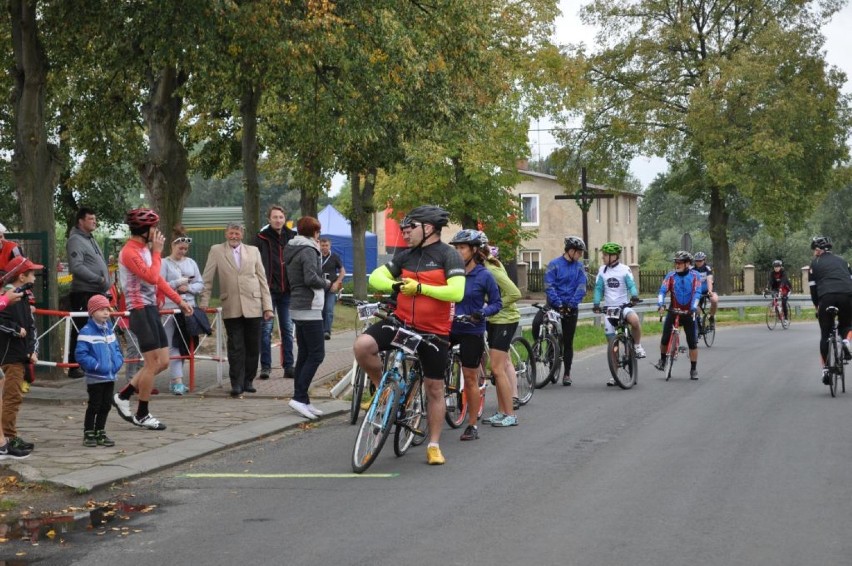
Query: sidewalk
[(200, 423)]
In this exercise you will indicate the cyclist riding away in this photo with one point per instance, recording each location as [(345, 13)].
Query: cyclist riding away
[(565, 286), (615, 284), (830, 280), (779, 283), (481, 300), (683, 286), (706, 273), (432, 278)]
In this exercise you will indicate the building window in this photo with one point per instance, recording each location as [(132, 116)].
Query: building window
[(531, 258), (529, 210), (598, 209)]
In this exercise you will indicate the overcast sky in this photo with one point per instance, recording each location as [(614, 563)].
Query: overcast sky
[(569, 29)]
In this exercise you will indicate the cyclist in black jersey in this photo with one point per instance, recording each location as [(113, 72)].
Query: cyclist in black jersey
[(830, 280)]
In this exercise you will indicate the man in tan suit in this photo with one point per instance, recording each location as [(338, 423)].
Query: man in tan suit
[(245, 298)]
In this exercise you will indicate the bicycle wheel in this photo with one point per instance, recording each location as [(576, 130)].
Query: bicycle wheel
[(709, 331), (771, 319), (623, 361), (357, 394), (521, 356), (555, 371), (547, 361), (376, 427), (671, 354), (412, 417), (454, 400)]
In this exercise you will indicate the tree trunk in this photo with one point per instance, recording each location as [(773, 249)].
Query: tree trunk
[(35, 163), (164, 171), (722, 282), (248, 111), (362, 208)]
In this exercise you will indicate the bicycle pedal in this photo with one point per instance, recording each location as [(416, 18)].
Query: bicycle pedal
[(419, 433)]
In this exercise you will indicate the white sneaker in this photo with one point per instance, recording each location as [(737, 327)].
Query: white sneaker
[(611, 382), (640, 351), (302, 409), (149, 421), (122, 406), (314, 410)]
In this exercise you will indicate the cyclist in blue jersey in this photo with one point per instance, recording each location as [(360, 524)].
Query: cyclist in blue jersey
[(706, 273), (682, 284)]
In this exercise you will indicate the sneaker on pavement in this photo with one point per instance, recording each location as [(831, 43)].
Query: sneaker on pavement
[(9, 452), (103, 439), (566, 380), (289, 373), (302, 409), (149, 421), (470, 433), (264, 373), (314, 410), (661, 365), (178, 389), (507, 420), (22, 444), (640, 351), (611, 382), (434, 456), (498, 416), (328, 335), (693, 374), (826, 377), (122, 406)]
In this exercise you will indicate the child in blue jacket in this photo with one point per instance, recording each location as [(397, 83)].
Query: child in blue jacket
[(100, 359)]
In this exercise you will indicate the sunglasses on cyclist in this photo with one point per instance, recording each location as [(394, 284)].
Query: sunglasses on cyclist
[(412, 225), (182, 240)]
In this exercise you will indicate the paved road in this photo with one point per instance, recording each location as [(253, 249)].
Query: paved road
[(747, 466)]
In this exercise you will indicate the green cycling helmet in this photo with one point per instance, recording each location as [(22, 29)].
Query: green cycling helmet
[(612, 248)]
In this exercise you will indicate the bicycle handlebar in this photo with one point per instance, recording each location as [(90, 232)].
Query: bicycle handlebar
[(431, 338)]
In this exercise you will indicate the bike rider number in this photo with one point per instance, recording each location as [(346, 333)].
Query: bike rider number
[(406, 341)]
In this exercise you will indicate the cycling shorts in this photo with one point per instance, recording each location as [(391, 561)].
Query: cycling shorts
[(145, 325), (471, 347), (609, 329), (433, 357), (500, 335)]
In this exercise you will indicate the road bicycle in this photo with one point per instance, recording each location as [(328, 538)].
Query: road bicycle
[(366, 313), (621, 353), (673, 349), (521, 358), (398, 402), (775, 311), (547, 346), (835, 361), (703, 326)]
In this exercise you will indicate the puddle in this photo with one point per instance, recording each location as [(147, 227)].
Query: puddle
[(99, 519)]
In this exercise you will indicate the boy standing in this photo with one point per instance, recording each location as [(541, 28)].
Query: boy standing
[(17, 348), (100, 359)]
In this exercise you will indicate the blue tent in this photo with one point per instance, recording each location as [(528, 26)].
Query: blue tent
[(337, 228)]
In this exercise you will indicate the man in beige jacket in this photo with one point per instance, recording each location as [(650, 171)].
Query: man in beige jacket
[(245, 299)]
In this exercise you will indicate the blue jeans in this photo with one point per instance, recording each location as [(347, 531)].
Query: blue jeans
[(328, 311), (311, 344), (280, 305)]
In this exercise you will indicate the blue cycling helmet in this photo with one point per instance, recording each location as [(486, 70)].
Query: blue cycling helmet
[(470, 237)]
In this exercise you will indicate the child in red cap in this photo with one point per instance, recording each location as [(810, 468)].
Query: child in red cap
[(100, 359)]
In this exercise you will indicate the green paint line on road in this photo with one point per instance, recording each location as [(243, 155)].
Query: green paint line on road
[(286, 476)]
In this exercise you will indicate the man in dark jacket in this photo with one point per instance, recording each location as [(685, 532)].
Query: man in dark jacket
[(271, 241), (89, 272), (830, 281)]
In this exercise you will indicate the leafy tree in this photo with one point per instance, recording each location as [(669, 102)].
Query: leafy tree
[(736, 93)]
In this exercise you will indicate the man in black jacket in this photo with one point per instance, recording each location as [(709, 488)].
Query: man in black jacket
[(271, 240), (830, 280)]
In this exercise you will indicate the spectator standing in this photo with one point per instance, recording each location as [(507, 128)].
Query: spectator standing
[(18, 347), (332, 270), (8, 249), (7, 451), (271, 242), (182, 274), (308, 289), (246, 301), (89, 274), (100, 358)]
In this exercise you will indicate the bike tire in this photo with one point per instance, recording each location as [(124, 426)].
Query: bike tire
[(357, 394), (376, 427), (521, 356), (548, 361), (709, 332), (671, 355), (623, 359), (556, 370), (771, 319), (411, 419), (456, 405)]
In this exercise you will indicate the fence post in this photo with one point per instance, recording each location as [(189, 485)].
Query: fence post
[(806, 288), (748, 279), (635, 271), (523, 278)]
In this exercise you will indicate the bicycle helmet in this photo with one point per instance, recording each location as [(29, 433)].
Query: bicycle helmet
[(777, 263), (682, 255), (700, 256), (575, 243), (429, 214), (611, 248), (141, 218), (821, 242), (470, 237)]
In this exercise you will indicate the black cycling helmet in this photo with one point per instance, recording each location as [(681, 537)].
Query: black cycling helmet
[(429, 214), (821, 242), (682, 255), (470, 237), (575, 243), (777, 263), (141, 218), (700, 256)]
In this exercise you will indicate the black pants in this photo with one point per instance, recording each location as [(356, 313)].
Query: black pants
[(843, 303), (78, 301), (243, 350), (100, 402), (310, 340)]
